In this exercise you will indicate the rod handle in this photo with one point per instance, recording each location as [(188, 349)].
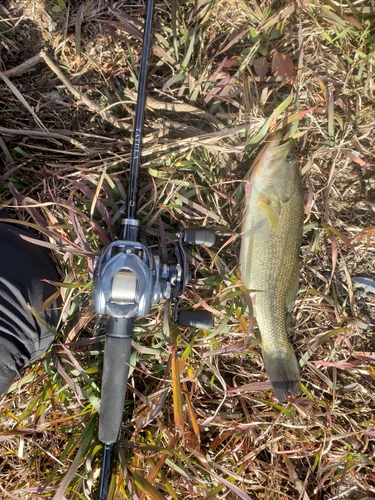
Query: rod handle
[(117, 352)]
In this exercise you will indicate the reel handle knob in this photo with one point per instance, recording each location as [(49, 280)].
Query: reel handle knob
[(196, 319), (204, 237)]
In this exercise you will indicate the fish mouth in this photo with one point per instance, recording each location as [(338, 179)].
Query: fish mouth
[(275, 148)]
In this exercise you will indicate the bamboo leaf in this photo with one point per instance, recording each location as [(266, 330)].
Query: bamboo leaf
[(271, 119), (147, 487), (177, 394)]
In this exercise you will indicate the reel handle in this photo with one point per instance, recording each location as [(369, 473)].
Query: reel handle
[(196, 319), (203, 237)]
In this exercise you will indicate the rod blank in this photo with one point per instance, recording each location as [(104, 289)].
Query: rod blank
[(135, 161)]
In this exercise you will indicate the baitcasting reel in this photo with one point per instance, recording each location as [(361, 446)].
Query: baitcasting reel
[(129, 279)]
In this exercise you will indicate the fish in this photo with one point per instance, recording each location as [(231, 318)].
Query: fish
[(269, 256)]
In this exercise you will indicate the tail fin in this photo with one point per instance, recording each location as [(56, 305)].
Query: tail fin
[(283, 371)]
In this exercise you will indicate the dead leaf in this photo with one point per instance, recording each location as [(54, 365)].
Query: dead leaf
[(261, 67), (354, 22), (282, 65), (356, 159)]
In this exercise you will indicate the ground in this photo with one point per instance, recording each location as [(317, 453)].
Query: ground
[(200, 420)]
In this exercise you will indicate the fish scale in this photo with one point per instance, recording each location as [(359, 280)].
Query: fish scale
[(269, 257)]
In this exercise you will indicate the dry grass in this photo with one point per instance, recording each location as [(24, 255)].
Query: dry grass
[(215, 83)]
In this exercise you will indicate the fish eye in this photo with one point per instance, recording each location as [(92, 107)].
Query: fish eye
[(290, 157)]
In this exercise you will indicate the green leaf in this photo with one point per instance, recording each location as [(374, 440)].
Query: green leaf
[(276, 113), (6, 152), (56, 8), (254, 36), (158, 173)]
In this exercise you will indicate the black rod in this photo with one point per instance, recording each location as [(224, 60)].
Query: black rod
[(105, 476), (135, 160), (119, 330)]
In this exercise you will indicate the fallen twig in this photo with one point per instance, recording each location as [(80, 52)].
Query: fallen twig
[(23, 67), (45, 135)]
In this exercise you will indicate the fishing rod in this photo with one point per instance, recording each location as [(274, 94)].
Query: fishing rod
[(129, 279)]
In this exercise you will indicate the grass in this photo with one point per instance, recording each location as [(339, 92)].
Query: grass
[(200, 420)]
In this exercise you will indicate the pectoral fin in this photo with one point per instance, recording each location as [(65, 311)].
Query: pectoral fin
[(271, 212)]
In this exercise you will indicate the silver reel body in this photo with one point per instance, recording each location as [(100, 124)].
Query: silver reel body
[(128, 280)]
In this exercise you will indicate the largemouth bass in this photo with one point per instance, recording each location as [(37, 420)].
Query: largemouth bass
[(269, 256)]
